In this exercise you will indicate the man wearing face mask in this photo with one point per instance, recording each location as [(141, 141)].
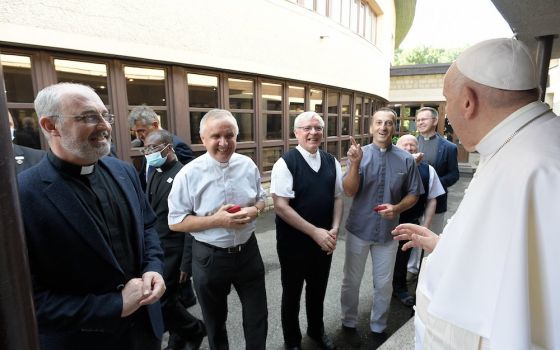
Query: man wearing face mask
[(186, 331), (25, 157)]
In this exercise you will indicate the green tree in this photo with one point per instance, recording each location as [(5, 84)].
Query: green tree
[(425, 55)]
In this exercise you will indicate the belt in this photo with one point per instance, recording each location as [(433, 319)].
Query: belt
[(229, 250)]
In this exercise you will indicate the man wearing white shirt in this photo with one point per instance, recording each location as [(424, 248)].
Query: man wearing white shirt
[(492, 280), (306, 187), (225, 250)]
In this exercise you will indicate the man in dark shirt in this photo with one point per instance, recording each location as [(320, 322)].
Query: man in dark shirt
[(184, 329), (25, 157), (95, 258), (143, 120)]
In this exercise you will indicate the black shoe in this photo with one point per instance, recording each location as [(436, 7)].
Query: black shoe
[(323, 341), (351, 336), (292, 347), (194, 344), (378, 338)]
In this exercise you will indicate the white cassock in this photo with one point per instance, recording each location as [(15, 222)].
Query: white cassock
[(493, 282)]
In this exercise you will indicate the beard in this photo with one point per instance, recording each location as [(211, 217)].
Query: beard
[(84, 150)]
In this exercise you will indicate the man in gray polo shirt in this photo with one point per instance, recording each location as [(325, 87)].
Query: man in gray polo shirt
[(384, 182)]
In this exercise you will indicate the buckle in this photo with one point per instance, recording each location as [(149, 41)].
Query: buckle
[(235, 249)]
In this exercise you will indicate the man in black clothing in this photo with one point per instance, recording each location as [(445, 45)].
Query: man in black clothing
[(143, 120), (25, 157), (306, 187), (184, 328), (94, 255)]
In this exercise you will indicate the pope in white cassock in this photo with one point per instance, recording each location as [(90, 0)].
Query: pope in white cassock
[(493, 279)]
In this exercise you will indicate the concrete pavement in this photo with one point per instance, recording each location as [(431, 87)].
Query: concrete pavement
[(399, 314)]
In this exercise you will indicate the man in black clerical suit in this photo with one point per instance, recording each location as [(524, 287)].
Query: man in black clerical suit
[(94, 255), (184, 329)]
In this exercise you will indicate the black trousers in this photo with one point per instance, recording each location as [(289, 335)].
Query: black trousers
[(401, 262), (178, 321), (297, 267), (214, 272)]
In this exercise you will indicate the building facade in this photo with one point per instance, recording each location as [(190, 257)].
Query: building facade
[(264, 60)]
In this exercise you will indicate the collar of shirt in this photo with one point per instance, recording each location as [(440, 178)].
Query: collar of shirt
[(69, 168), (499, 134), (166, 166), (382, 149), (312, 159)]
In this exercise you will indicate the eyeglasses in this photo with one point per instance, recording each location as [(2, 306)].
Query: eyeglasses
[(154, 148), (317, 128), (91, 118), (421, 120)]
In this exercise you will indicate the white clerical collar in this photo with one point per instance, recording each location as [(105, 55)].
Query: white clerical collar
[(306, 154), (428, 138), (87, 169), (499, 134), (218, 164)]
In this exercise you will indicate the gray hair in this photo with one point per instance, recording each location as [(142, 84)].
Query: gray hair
[(161, 135), (48, 102), (144, 113), (215, 114), (307, 116), (433, 111)]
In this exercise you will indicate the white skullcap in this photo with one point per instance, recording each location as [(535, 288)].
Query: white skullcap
[(499, 63)]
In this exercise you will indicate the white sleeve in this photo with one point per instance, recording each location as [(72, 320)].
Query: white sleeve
[(179, 201), (435, 187), (338, 182), (281, 180)]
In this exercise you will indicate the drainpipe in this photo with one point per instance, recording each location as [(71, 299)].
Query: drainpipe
[(544, 50), (18, 329)]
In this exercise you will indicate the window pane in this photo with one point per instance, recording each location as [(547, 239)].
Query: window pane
[(367, 107), (321, 7), (345, 125), (27, 127), (361, 19), (354, 15), (333, 125), (292, 119), (345, 146), (335, 10), (270, 156), (333, 102), (194, 119), (272, 125), (145, 86), (272, 97), (368, 26), (17, 78), (249, 152), (296, 99), (358, 116), (345, 13), (332, 148), (308, 4), (316, 101), (203, 90), (245, 123), (91, 74), (240, 94), (345, 102)]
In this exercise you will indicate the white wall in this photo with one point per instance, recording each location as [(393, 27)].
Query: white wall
[(271, 37)]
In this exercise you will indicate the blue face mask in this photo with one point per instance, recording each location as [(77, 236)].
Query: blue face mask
[(156, 159)]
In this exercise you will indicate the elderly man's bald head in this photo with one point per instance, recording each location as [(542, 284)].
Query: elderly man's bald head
[(408, 143)]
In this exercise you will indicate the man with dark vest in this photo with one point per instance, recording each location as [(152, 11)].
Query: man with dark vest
[(424, 208), (306, 186)]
